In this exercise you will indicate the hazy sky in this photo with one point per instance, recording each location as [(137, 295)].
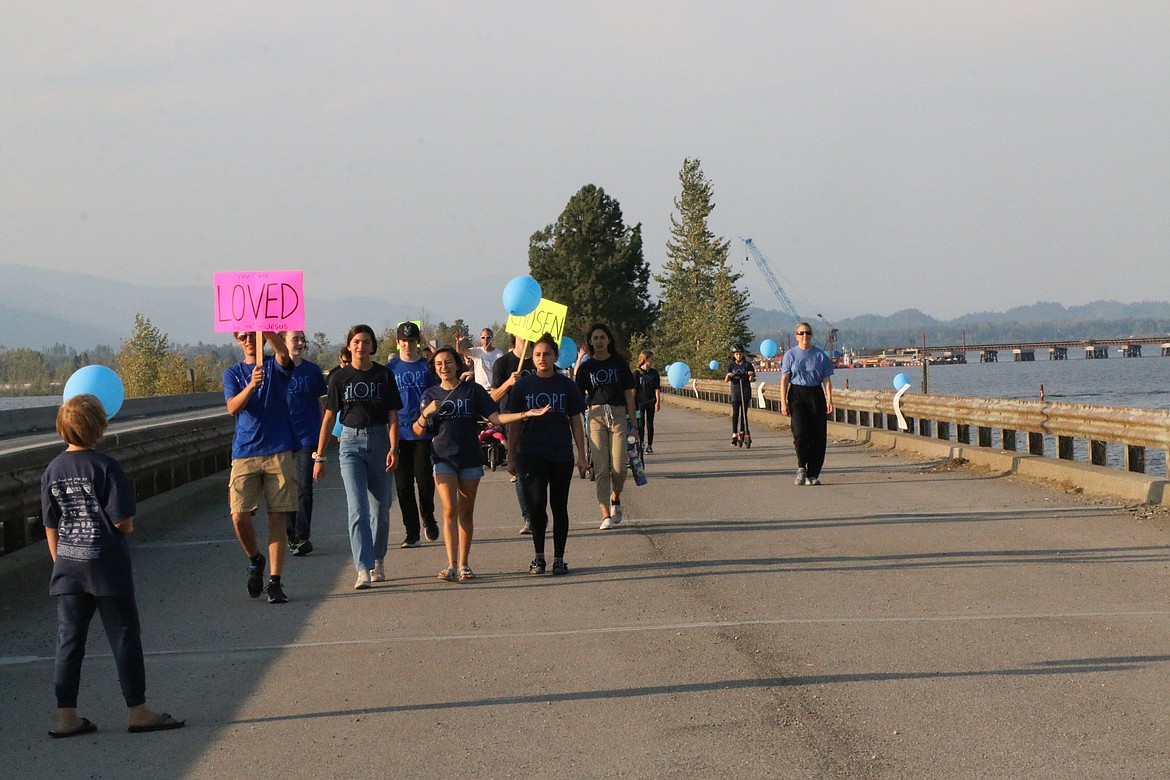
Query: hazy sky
[(949, 156)]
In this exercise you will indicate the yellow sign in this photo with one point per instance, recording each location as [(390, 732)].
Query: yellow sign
[(549, 317)]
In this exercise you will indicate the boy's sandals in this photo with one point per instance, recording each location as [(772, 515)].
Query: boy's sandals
[(448, 574), (465, 574)]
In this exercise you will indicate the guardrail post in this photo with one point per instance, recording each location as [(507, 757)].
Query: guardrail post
[(924, 428), (1009, 440), (1064, 447), (864, 419), (1135, 458), (944, 430), (1098, 451), (963, 434), (1035, 443), (984, 436)]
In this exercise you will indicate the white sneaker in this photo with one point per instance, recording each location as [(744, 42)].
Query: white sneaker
[(378, 573), (615, 513), (800, 476), (606, 523), (363, 580)]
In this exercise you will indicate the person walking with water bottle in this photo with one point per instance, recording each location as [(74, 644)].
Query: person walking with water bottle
[(608, 383)]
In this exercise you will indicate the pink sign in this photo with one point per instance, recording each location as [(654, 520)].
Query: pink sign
[(259, 300)]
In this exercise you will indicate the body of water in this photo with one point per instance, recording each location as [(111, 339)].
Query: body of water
[(27, 401), (1137, 382)]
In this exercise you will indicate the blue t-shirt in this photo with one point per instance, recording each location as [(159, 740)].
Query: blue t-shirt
[(806, 367), (741, 383), (605, 381), (413, 379), (549, 436), (305, 389), (264, 425), (456, 425), (83, 493)]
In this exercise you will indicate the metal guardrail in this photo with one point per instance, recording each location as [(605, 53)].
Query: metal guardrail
[(1067, 430), (157, 456)]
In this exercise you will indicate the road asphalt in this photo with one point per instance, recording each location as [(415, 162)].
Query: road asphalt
[(902, 620)]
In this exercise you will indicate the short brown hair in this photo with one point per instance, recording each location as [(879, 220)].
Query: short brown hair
[(82, 420)]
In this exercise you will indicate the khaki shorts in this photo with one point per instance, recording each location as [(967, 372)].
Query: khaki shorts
[(271, 477)]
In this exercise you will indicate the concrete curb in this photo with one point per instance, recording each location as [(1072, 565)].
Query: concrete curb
[(1093, 480)]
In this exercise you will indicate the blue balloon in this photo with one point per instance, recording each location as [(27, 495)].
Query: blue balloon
[(678, 375), (713, 365), (568, 353), (900, 381), (522, 296), (100, 381), (769, 348)]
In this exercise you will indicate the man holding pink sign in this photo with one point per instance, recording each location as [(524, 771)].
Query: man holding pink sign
[(256, 307)]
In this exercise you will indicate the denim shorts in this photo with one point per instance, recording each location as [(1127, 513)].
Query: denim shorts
[(463, 475)]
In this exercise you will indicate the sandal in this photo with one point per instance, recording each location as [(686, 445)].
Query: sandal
[(465, 574), (448, 574)]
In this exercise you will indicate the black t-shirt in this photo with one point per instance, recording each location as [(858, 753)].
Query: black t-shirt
[(506, 365), (741, 385), (605, 381), (648, 381), (456, 424), (363, 398), (548, 436), (83, 493)]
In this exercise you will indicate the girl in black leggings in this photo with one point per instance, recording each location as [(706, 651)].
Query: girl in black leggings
[(648, 396), (542, 449)]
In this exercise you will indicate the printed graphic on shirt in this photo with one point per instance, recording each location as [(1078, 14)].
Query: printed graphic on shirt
[(81, 527)]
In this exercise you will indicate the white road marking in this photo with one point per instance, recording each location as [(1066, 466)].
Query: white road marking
[(700, 625)]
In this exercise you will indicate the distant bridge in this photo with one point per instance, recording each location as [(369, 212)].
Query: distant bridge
[(1057, 350)]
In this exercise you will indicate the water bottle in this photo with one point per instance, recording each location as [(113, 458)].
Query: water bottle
[(635, 460)]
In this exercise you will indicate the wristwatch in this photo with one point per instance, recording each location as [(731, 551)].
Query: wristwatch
[(317, 458)]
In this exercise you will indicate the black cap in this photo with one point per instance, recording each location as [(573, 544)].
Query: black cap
[(738, 348), (408, 331)]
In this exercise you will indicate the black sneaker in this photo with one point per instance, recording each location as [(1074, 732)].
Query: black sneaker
[(560, 567), (256, 578), (431, 531), (527, 529), (408, 542), (303, 548), (537, 566), (275, 593)]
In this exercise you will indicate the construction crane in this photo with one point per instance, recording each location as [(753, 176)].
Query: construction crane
[(766, 269)]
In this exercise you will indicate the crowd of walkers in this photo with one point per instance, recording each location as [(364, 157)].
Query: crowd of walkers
[(410, 427)]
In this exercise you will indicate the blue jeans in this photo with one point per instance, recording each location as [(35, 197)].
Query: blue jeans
[(369, 491), (299, 523)]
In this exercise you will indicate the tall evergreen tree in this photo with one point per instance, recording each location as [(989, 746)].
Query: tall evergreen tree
[(703, 312), (591, 262), (148, 365)]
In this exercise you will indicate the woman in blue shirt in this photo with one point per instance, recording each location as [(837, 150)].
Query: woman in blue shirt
[(806, 395)]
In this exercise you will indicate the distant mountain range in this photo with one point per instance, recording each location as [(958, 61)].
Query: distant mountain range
[(40, 308), (1043, 321)]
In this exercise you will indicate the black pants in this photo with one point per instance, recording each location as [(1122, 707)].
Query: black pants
[(415, 470), (810, 426), (739, 412), (547, 485), (646, 426), (120, 619), (299, 524)]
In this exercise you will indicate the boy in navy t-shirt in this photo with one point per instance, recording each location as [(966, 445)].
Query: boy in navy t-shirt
[(88, 508)]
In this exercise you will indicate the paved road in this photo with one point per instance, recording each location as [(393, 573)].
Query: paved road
[(901, 621)]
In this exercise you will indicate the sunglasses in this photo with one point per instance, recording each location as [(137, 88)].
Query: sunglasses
[(246, 337), (804, 333)]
